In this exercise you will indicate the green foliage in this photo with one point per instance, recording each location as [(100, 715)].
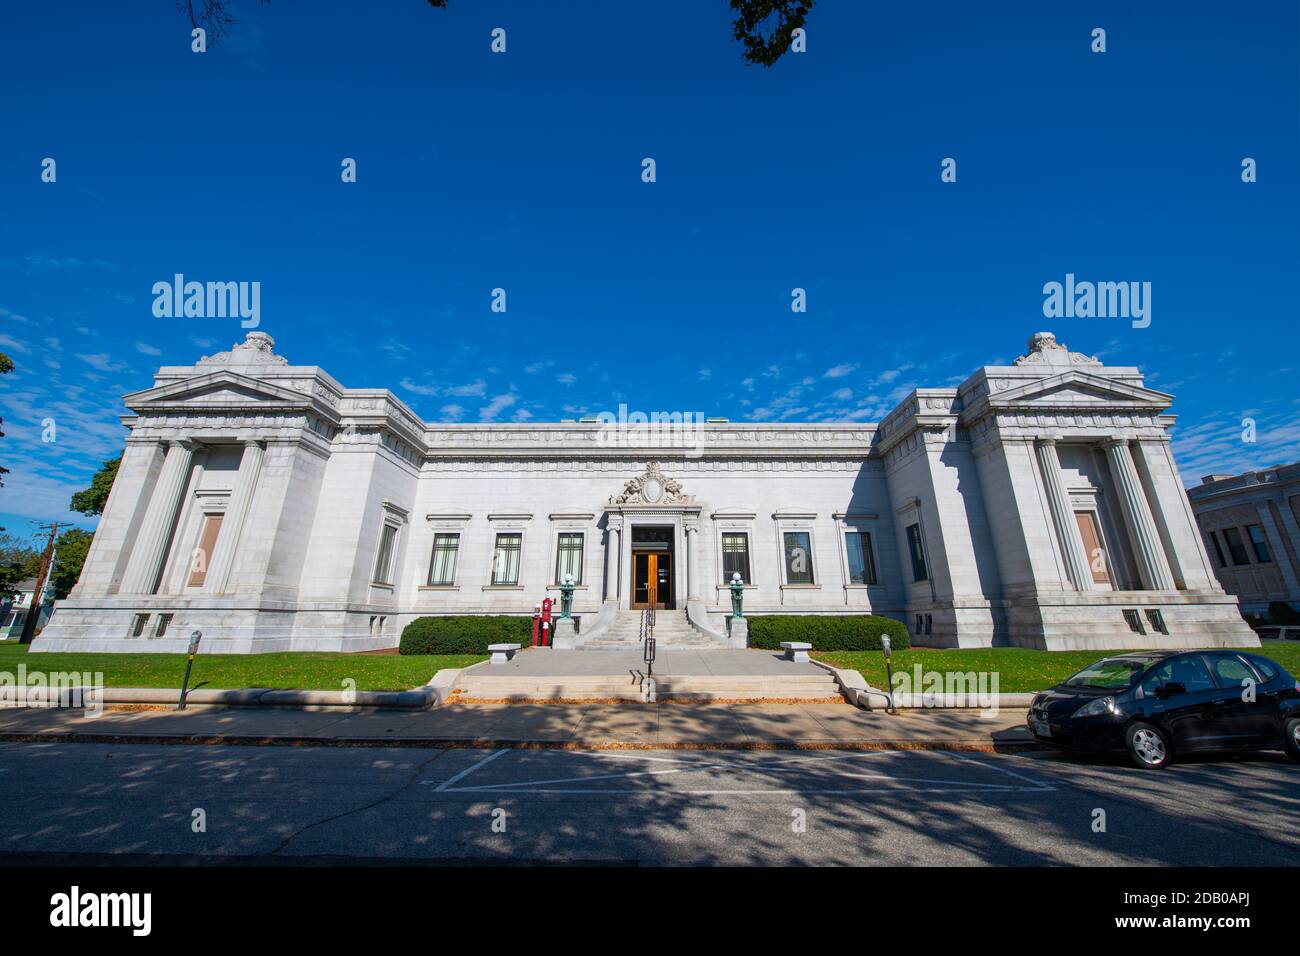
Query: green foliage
[(1282, 614), (856, 632), (91, 501), (69, 556), (764, 26), (463, 634), (17, 561)]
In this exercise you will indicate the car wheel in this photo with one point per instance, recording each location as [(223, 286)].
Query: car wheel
[(1148, 747), (1292, 743)]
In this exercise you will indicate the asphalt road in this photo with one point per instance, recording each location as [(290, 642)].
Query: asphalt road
[(87, 803)]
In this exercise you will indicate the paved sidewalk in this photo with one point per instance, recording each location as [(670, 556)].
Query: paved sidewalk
[(722, 662), (599, 726)]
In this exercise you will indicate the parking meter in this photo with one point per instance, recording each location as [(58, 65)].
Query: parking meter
[(195, 637), (888, 652)]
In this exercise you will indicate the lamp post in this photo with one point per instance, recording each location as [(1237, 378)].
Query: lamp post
[(566, 598), (737, 597)]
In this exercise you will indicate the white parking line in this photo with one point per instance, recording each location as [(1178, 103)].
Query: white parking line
[(752, 765), (470, 769)]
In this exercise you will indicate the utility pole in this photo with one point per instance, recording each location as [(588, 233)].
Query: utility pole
[(33, 612)]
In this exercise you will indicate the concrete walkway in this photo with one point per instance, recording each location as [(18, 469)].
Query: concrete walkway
[(596, 726), (723, 662)]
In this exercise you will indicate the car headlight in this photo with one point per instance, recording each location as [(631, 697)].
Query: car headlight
[(1095, 708)]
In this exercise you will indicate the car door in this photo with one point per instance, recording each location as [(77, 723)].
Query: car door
[(1188, 714), (1245, 705)]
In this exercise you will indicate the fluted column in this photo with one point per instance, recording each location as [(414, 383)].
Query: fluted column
[(693, 563), (145, 565), (613, 555), (232, 525), (1149, 553), (1067, 528)]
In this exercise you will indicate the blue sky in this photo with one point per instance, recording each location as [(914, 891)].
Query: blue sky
[(522, 171)]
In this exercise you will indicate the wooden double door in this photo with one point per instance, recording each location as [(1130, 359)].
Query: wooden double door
[(652, 580)]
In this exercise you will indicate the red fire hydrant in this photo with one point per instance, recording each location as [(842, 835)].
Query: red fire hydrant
[(546, 622)]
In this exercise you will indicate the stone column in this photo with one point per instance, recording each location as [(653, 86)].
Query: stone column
[(692, 563), (1149, 553), (613, 554), (232, 526), (145, 566), (1067, 528)]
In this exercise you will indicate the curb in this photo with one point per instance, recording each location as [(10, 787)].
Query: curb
[(973, 746), (432, 694)]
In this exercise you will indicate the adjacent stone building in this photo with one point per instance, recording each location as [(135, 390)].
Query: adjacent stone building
[(1036, 504), (1251, 524)]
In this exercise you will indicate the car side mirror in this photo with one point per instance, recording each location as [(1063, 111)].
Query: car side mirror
[(1172, 688)]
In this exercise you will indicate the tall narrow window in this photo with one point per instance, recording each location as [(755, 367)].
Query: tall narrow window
[(1218, 551), (1236, 547), (862, 565), (568, 557), (202, 556), (917, 551), (798, 558), (735, 556), (1258, 542), (442, 567), (384, 562), (505, 564)]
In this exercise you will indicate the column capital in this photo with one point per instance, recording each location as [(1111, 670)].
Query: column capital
[(1109, 443), (1043, 442), (251, 442)]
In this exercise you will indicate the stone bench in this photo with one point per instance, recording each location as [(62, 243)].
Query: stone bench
[(796, 651), (502, 653)]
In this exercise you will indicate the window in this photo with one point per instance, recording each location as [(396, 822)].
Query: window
[(1267, 669), (1231, 671), (202, 556), (1188, 671), (384, 562), (1134, 621), (138, 624), (862, 565), (1218, 551), (917, 551), (1235, 546), (735, 556), (1258, 542), (163, 621), (568, 557), (442, 566), (1157, 620), (505, 564), (798, 557)]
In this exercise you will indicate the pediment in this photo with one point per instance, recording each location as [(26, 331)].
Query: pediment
[(221, 390), (1078, 389)]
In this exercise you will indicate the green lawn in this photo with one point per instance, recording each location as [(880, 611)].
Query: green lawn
[(1019, 669), (297, 670)]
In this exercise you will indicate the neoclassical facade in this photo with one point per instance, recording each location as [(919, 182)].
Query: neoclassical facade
[(267, 505)]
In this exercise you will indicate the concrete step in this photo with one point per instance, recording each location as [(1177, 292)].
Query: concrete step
[(701, 688)]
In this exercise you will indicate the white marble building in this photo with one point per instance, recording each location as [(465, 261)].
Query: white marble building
[(266, 504)]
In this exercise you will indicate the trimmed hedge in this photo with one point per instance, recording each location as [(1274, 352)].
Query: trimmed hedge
[(463, 634), (839, 632)]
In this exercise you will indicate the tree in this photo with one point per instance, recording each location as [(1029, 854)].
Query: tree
[(69, 556), (91, 501), (18, 561), (6, 366), (764, 26)]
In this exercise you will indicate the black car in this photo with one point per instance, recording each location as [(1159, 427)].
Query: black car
[(1153, 705)]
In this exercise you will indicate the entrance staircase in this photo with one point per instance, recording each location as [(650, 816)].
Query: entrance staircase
[(672, 632)]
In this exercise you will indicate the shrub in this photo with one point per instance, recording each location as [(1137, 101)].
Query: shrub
[(463, 634), (1282, 613), (847, 632)]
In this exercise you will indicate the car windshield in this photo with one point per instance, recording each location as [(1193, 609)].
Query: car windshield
[(1114, 673)]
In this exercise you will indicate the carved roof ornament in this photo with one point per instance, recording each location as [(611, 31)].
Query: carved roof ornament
[(1045, 350), (652, 487), (258, 348)]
